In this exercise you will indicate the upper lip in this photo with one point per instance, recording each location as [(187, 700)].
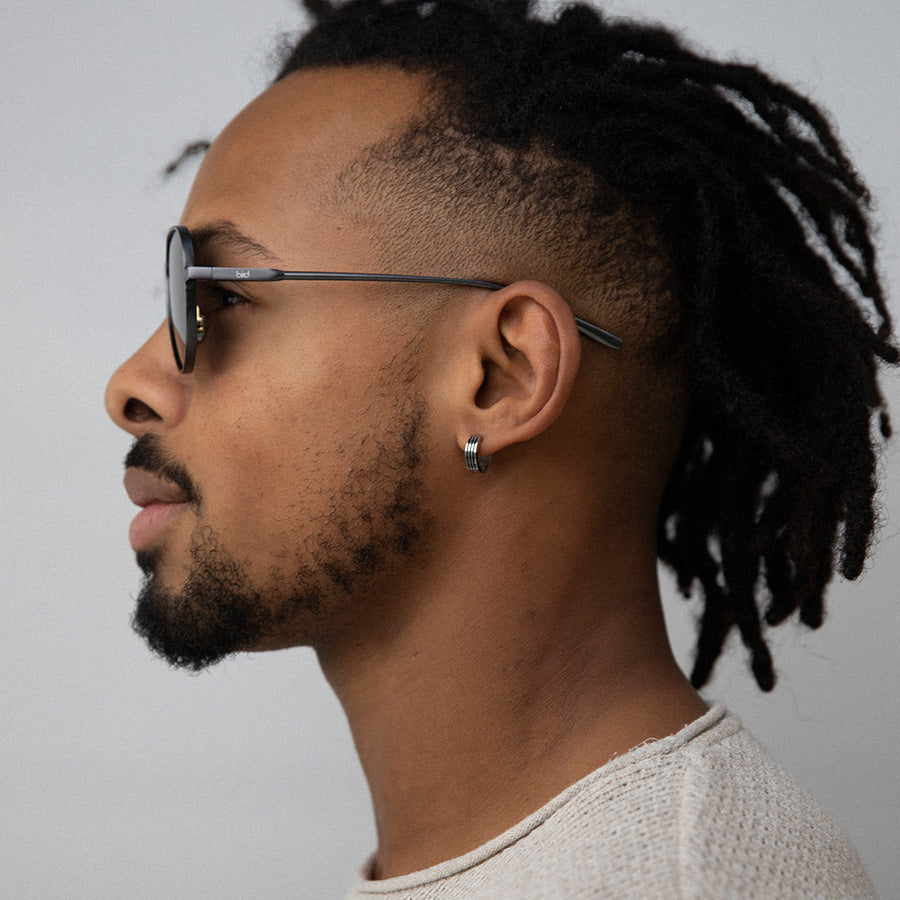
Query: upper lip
[(144, 488)]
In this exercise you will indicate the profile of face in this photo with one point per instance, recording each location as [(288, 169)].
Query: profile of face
[(283, 483)]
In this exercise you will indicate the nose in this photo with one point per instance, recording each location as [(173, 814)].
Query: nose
[(147, 392)]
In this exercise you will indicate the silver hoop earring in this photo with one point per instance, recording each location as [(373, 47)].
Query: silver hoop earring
[(474, 462)]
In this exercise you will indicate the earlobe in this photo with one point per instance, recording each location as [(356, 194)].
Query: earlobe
[(530, 352)]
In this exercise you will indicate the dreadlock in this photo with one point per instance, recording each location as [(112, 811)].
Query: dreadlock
[(764, 223)]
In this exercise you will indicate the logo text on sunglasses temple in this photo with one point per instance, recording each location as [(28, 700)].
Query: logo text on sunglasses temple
[(241, 273)]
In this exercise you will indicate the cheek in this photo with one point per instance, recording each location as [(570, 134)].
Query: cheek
[(283, 443)]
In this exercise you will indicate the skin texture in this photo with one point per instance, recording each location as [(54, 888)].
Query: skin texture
[(516, 643)]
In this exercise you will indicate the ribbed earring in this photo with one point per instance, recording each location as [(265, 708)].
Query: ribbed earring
[(474, 462)]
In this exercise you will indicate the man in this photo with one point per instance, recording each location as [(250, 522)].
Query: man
[(629, 317)]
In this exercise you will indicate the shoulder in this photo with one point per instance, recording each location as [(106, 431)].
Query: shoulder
[(746, 828), (703, 813)]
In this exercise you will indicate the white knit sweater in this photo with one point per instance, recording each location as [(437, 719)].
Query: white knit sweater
[(704, 813)]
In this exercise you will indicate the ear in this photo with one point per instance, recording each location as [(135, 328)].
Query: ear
[(521, 360)]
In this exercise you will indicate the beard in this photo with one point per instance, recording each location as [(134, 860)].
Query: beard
[(376, 519)]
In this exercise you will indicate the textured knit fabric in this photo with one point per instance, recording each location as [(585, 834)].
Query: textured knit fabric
[(704, 813)]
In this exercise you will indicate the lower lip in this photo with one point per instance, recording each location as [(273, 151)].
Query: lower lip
[(151, 522)]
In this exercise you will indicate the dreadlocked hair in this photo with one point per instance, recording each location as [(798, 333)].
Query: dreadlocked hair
[(764, 223)]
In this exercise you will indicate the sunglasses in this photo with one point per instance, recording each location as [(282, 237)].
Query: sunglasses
[(187, 325)]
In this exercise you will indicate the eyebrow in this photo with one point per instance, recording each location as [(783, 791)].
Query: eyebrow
[(228, 236)]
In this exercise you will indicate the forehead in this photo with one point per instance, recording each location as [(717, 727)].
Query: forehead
[(282, 152)]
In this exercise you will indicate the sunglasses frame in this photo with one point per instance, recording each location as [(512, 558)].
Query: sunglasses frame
[(194, 323)]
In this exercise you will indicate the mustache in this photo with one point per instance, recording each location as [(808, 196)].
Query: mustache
[(147, 453)]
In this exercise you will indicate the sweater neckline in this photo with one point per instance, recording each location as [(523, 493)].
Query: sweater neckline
[(650, 748)]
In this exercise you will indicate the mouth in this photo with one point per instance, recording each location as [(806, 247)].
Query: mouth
[(161, 503)]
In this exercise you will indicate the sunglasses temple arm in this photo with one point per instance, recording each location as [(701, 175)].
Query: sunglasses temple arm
[(222, 273), (591, 331)]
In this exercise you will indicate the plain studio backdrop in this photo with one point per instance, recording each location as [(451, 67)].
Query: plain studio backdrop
[(123, 778)]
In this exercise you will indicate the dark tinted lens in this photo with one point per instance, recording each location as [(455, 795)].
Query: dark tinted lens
[(177, 300)]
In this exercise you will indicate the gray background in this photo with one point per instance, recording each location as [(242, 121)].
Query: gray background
[(122, 778)]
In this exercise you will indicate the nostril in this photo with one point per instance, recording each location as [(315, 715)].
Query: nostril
[(137, 411)]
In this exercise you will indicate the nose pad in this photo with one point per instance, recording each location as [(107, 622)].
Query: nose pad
[(147, 392)]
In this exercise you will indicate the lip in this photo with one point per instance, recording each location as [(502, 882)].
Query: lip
[(148, 526), (161, 502)]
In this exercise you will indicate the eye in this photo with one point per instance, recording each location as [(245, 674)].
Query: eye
[(228, 299), (218, 298)]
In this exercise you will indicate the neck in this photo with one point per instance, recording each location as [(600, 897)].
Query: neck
[(496, 693)]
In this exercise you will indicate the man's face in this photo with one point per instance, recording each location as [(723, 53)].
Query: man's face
[(284, 476)]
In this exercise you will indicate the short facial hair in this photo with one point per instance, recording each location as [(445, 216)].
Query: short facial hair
[(377, 517)]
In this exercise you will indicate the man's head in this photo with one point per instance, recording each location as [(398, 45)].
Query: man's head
[(701, 212)]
